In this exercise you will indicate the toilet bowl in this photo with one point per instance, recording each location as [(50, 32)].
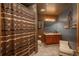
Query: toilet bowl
[(39, 42)]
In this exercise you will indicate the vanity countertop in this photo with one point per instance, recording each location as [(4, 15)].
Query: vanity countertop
[(52, 33)]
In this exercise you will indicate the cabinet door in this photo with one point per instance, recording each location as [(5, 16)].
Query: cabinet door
[(55, 39), (58, 37), (49, 40)]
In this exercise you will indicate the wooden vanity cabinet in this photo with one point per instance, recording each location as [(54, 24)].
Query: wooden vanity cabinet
[(52, 39)]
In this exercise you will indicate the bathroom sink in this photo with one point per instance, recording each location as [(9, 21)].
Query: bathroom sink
[(52, 33)]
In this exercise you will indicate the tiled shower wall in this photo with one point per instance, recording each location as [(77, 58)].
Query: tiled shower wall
[(17, 30)]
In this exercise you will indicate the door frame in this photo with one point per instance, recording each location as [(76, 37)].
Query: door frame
[(77, 42)]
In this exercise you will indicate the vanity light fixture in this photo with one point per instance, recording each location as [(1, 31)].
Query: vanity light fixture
[(50, 20), (42, 10)]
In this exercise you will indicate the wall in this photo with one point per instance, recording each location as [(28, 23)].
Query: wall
[(18, 35), (67, 34)]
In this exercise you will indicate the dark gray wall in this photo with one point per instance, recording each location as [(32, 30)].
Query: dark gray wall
[(67, 34)]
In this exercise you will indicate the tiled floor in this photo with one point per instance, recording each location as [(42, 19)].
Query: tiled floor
[(47, 50)]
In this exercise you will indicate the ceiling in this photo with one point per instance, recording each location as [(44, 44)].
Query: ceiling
[(53, 9), (49, 9)]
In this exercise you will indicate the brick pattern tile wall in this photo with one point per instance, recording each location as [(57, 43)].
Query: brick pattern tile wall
[(17, 35)]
